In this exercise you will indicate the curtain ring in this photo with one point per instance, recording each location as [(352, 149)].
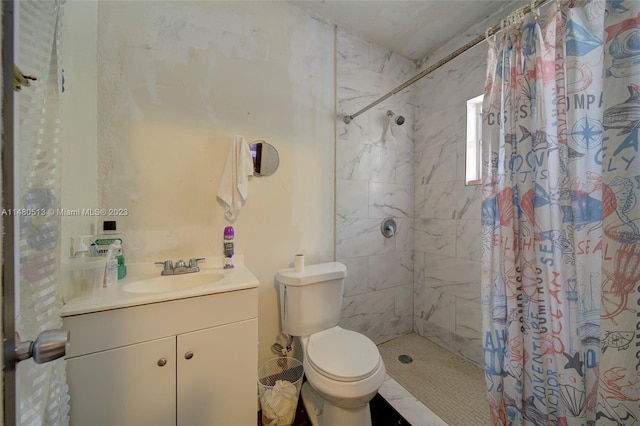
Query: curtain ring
[(535, 10)]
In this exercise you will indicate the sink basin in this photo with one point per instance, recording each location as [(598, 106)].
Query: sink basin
[(166, 283)]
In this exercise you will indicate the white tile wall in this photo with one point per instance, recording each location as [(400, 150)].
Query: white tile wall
[(431, 268), (374, 180), (447, 254)]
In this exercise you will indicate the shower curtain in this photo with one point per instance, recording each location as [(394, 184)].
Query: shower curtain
[(560, 217), (42, 391)]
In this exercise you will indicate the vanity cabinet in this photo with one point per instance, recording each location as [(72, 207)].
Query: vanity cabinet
[(226, 396), (187, 362), (124, 386)]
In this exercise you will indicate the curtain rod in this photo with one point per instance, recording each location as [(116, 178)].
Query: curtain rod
[(491, 31)]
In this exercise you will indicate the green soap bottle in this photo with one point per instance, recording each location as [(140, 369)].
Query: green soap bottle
[(122, 268)]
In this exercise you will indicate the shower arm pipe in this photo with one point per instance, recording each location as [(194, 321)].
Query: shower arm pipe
[(491, 31)]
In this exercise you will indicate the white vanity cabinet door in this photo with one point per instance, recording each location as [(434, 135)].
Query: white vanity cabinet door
[(217, 375), (132, 385)]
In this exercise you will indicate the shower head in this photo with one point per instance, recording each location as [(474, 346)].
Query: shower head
[(398, 119)]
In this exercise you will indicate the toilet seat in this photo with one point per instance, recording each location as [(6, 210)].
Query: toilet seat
[(342, 355)]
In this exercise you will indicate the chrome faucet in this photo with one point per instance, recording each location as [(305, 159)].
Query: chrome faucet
[(180, 266)]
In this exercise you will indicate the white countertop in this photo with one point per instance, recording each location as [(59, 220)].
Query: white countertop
[(238, 278)]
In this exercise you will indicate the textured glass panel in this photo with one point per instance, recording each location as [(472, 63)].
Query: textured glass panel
[(41, 389)]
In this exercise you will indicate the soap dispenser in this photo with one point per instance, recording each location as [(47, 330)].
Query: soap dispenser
[(82, 250), (111, 267)]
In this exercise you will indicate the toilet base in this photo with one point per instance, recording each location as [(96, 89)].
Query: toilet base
[(323, 413)]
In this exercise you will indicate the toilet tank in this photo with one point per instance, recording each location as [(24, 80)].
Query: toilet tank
[(311, 301)]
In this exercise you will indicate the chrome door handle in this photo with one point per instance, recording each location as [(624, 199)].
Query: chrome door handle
[(49, 345)]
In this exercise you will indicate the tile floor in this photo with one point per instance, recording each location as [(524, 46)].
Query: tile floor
[(393, 406)]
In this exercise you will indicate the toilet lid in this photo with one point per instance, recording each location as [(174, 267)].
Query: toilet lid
[(342, 355)]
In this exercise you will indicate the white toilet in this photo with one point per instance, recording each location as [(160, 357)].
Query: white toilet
[(344, 369)]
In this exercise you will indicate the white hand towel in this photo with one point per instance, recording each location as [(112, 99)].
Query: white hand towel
[(234, 185)]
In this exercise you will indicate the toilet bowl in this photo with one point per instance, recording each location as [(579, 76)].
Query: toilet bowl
[(344, 369), (344, 372)]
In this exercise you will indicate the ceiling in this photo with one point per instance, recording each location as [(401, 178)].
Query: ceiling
[(413, 29)]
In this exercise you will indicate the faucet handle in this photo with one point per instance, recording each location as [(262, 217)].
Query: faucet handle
[(193, 262), (168, 265)]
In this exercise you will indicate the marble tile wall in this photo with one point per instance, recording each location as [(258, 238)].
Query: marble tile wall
[(374, 180), (446, 297)]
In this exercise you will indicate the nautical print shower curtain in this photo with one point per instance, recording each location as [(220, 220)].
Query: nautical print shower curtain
[(561, 219)]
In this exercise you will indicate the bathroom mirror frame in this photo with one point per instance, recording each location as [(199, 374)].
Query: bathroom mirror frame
[(265, 158)]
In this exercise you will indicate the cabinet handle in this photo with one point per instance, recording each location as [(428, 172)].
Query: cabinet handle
[(162, 362), (188, 355)]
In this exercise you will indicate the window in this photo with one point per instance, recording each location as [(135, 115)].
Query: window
[(474, 141)]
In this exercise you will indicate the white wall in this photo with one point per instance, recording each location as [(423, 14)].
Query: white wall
[(374, 181), (175, 82), (79, 119), (447, 307)]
